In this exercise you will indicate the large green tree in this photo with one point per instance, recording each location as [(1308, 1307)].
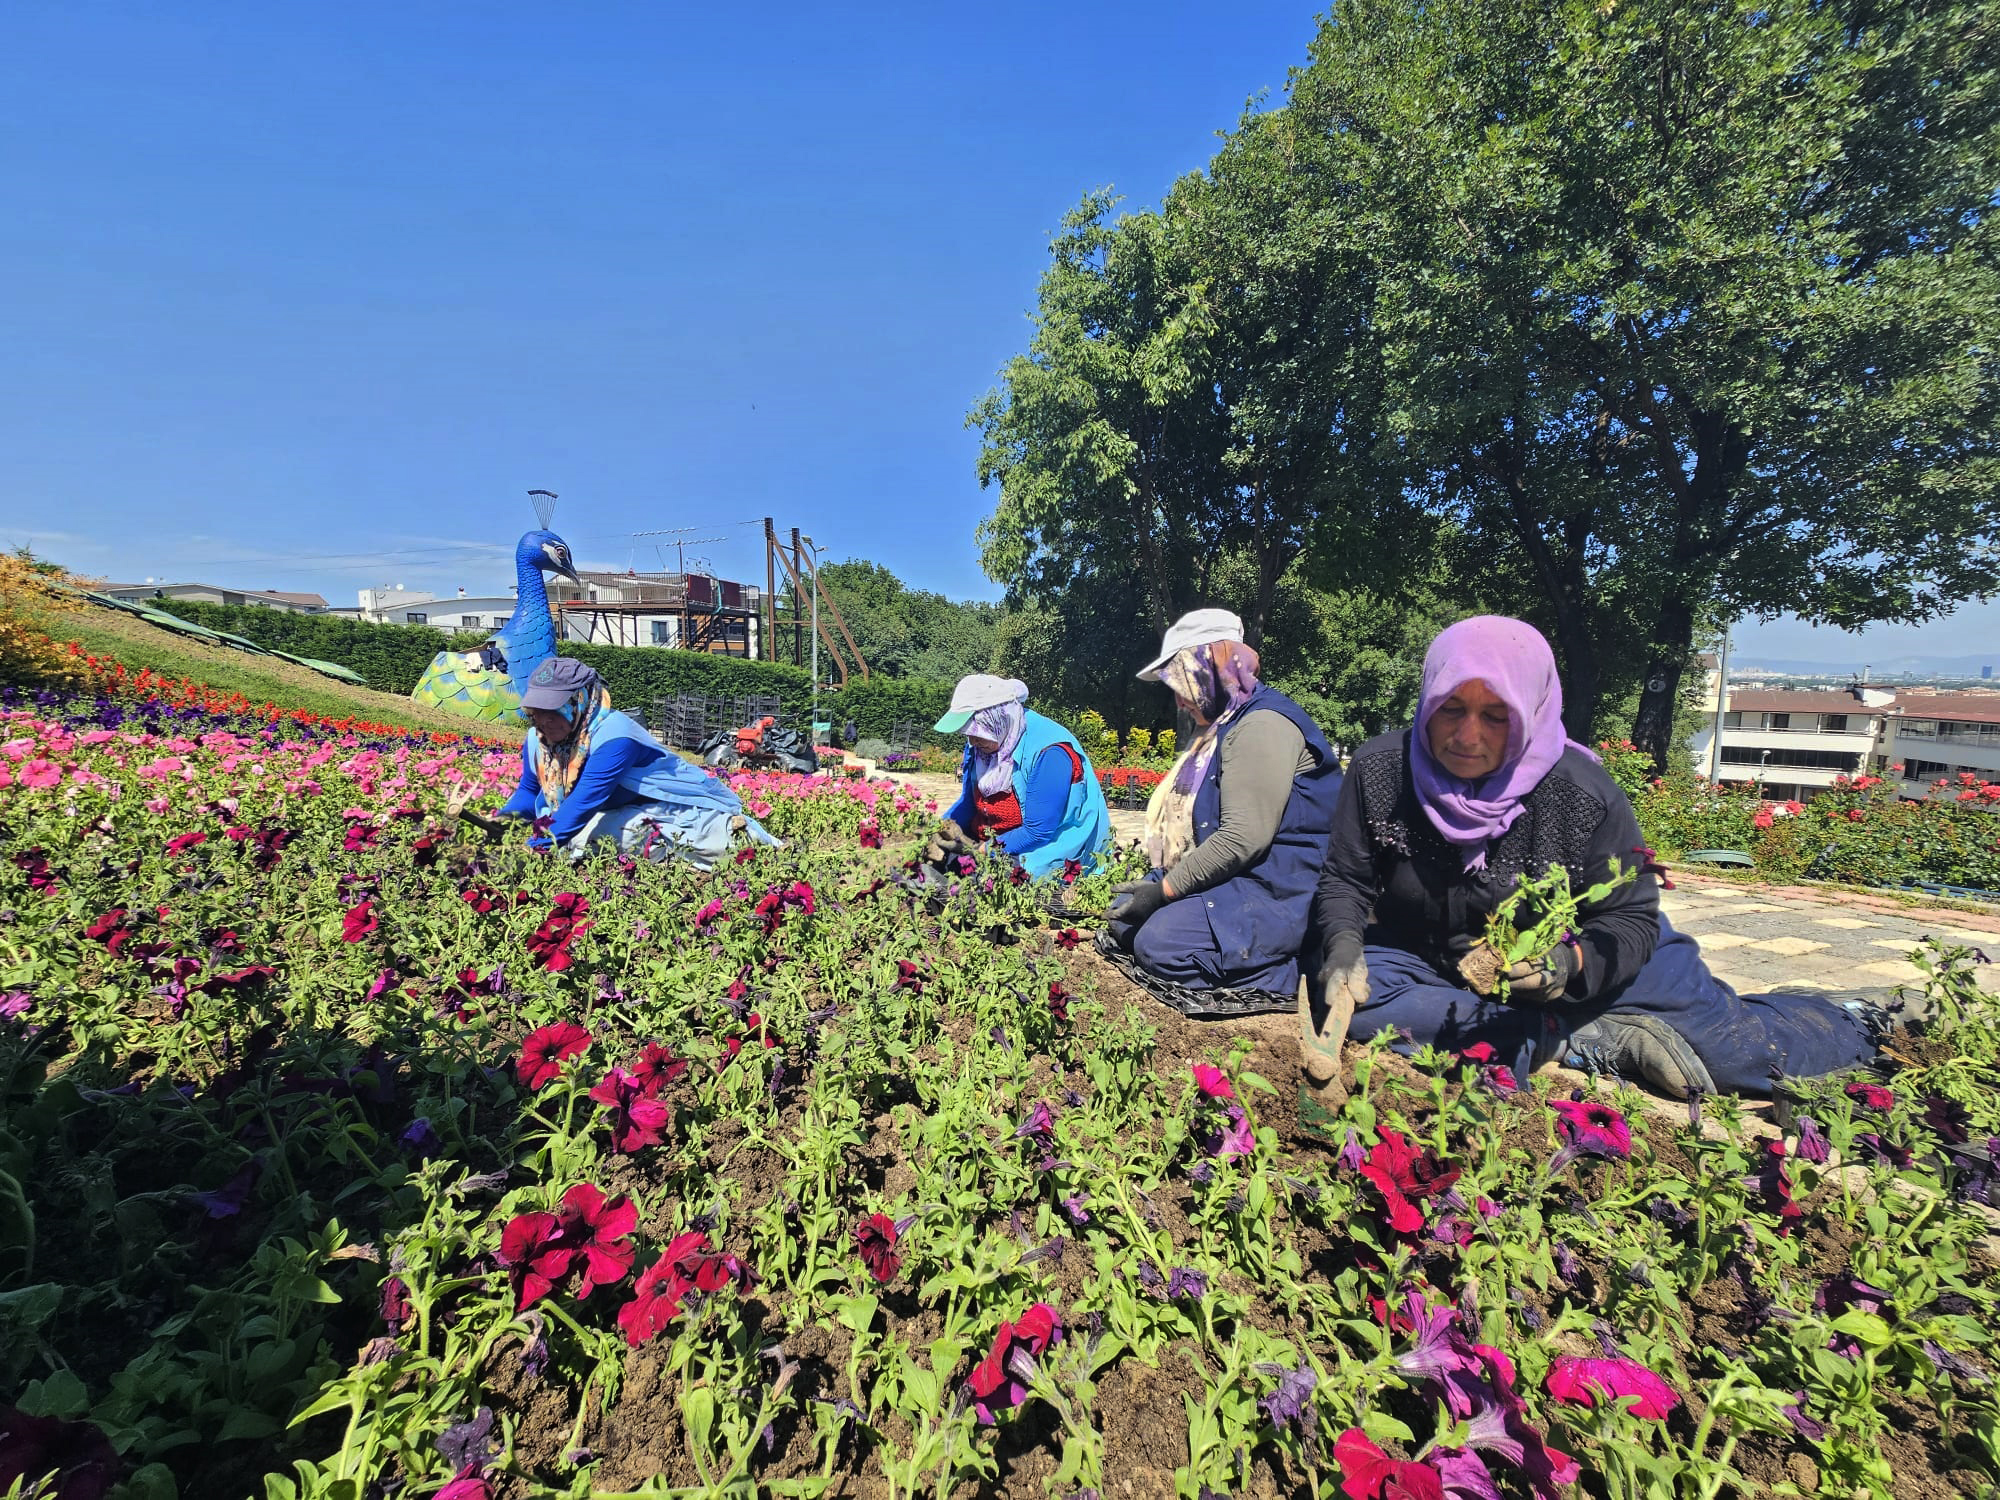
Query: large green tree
[(1683, 307), (906, 632)]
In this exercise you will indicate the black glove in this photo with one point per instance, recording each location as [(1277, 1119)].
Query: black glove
[(1136, 901), (1540, 980)]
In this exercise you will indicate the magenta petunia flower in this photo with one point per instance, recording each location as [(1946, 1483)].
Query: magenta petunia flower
[(545, 1049), (1590, 1128), (1871, 1095), (1213, 1082), (636, 1118), (875, 1240), (597, 1229), (1585, 1382), (996, 1382), (359, 922)]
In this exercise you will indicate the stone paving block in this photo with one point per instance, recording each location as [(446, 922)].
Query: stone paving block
[(1711, 942), (1846, 923), (1901, 945), (1894, 970), (1791, 947)]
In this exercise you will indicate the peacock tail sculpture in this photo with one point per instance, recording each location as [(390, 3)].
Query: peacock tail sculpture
[(486, 684)]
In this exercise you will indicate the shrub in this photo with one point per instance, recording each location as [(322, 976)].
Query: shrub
[(29, 600)]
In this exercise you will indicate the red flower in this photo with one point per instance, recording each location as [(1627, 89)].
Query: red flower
[(1583, 1382), (1404, 1177), (34, 863), (995, 1383), (657, 1067), (688, 1264), (359, 922), (185, 841), (1367, 1473), (1478, 1052), (1776, 1186), (546, 1049), (1072, 871), (635, 1117), (908, 977), (467, 1484), (596, 1229), (236, 979), (550, 943), (481, 897), (532, 1250), (1068, 939), (1059, 1002), (875, 1238), (870, 834), (1872, 1095), (111, 929), (359, 836), (396, 1308)]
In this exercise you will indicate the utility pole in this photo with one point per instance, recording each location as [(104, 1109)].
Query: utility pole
[(812, 550), (798, 606), (1721, 698), (770, 591)]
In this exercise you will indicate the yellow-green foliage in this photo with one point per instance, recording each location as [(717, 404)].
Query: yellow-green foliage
[(29, 605)]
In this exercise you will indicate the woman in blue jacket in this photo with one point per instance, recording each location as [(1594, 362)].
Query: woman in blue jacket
[(1026, 783), (590, 773)]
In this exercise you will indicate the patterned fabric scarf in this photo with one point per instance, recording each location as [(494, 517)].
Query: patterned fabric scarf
[(558, 766), (1002, 723), (1215, 681)]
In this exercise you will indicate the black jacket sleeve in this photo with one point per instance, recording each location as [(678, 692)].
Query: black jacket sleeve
[(1618, 934), (1347, 881)]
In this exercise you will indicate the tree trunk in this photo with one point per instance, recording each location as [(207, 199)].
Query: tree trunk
[(1582, 682), (1666, 660)]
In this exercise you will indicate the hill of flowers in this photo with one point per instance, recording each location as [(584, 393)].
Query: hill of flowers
[(342, 1155)]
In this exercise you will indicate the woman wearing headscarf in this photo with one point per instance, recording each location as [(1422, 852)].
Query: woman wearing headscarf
[(589, 772), (1431, 830), (1025, 784), (1237, 830)]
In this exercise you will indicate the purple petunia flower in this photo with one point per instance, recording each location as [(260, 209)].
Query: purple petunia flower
[(1352, 1156), (1182, 1282), (1290, 1404), (1808, 1429), (470, 1442), (1813, 1144), (1073, 1205), (1566, 1266), (1039, 1125), (227, 1201)]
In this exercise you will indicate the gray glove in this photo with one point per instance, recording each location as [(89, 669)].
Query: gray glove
[(1538, 981), (949, 839), (1135, 901)]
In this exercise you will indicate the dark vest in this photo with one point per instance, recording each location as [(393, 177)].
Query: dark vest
[(1260, 916)]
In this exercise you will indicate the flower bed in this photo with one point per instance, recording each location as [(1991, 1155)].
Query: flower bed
[(1129, 786), (1860, 831), (335, 1151)]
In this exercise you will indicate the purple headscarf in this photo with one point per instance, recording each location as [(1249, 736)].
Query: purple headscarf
[(1516, 664), (1002, 723)]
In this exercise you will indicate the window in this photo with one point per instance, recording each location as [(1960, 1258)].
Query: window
[(663, 632), (1732, 720), (1833, 723), (1924, 770), (1817, 760), (469, 622), (1781, 721), (417, 617)]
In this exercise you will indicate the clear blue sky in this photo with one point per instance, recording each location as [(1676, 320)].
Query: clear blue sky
[(285, 282), (308, 296)]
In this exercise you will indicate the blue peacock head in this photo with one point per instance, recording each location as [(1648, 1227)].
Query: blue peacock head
[(546, 552)]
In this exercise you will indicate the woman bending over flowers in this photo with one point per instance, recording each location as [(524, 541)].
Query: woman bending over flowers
[(589, 772), (1431, 830)]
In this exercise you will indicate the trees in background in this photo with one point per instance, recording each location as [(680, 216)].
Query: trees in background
[(1632, 315), (906, 632)]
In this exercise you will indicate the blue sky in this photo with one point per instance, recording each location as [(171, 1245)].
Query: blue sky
[(309, 296)]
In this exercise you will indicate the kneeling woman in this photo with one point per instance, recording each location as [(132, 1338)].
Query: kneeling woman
[(1237, 830), (595, 774), (1430, 831), (1025, 784)]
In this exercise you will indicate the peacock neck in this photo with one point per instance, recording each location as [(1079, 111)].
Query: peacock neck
[(530, 627)]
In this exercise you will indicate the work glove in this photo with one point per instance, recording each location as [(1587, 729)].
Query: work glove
[(1537, 981), (1343, 987), (948, 839), (1135, 901)]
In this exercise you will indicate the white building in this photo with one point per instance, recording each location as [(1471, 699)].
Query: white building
[(208, 593), (1939, 737), (451, 613), (692, 611), (1795, 743)]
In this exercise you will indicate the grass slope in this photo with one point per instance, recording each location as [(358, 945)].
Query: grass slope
[(259, 678)]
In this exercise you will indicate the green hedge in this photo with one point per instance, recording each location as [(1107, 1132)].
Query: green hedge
[(390, 657), (393, 657)]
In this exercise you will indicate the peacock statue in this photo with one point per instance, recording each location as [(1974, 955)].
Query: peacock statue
[(486, 684)]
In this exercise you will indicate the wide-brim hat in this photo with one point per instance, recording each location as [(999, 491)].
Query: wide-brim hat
[(1196, 628)]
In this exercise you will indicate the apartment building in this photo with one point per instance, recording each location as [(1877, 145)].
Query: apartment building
[(1795, 743), (210, 593), (1941, 736)]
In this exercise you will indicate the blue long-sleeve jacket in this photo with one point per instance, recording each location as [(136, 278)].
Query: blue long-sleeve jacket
[(596, 789), (1042, 808)]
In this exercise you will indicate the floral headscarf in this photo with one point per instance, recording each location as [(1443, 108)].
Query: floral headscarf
[(557, 767), (1214, 679), (1002, 723)]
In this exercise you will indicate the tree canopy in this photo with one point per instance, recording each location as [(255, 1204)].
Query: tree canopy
[(1638, 315)]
